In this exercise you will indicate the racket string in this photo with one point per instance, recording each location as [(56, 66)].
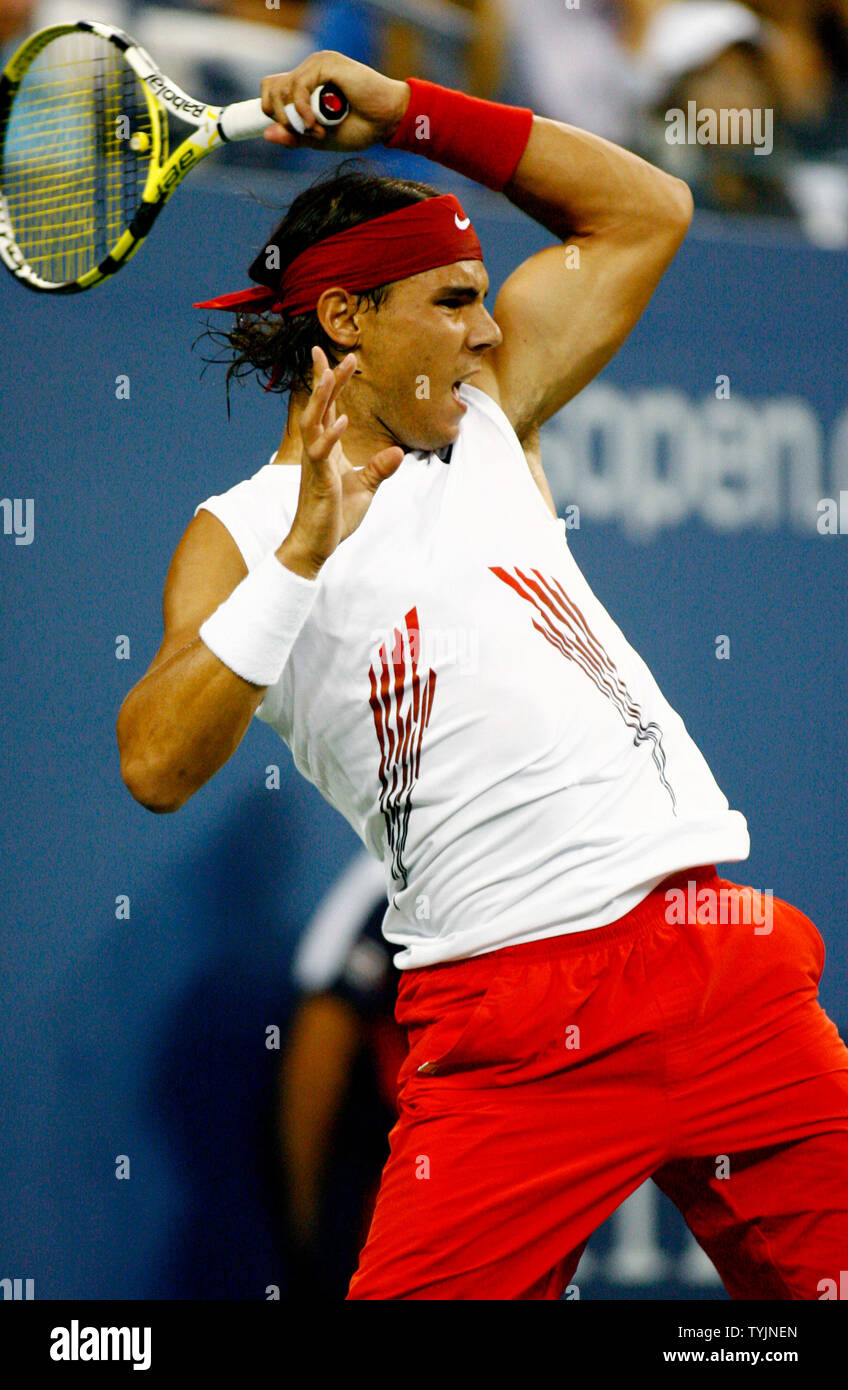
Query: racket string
[(71, 180)]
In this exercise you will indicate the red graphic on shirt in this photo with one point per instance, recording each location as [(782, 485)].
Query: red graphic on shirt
[(401, 700), (564, 626)]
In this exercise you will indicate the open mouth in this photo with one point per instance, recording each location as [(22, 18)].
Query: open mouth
[(462, 381)]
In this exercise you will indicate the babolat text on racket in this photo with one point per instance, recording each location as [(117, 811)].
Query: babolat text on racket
[(84, 165)]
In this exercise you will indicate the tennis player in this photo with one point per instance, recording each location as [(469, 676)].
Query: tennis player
[(587, 1003)]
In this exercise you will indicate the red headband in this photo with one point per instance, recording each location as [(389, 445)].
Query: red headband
[(419, 237)]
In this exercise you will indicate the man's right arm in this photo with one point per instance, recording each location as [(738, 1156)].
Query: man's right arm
[(189, 712)]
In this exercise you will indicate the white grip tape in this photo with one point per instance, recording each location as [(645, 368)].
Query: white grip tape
[(253, 631), (295, 118), (244, 120)]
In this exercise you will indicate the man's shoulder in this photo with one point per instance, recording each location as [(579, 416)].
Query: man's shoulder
[(268, 483), (257, 511), (271, 478)]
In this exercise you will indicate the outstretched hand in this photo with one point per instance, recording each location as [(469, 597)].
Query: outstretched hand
[(334, 496)]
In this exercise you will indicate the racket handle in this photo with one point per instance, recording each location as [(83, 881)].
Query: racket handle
[(244, 120), (329, 104)]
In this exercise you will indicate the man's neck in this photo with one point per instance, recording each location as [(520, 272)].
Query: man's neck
[(360, 441)]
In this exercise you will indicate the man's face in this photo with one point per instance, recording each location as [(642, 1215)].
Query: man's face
[(430, 333)]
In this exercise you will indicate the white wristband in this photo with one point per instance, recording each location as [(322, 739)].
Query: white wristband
[(254, 630)]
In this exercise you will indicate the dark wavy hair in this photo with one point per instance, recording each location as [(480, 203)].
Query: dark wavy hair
[(266, 342)]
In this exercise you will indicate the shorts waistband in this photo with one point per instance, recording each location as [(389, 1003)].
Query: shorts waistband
[(640, 918)]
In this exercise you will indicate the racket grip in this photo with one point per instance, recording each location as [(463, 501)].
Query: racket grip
[(244, 120), (329, 104)]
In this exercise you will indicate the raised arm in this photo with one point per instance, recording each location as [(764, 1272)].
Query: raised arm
[(565, 311), (619, 220)]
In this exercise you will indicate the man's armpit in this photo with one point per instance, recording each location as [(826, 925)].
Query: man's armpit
[(533, 454)]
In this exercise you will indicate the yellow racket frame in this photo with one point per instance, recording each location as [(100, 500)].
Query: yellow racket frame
[(214, 126)]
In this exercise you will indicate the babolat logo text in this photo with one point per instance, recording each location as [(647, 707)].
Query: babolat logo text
[(77, 1343), (174, 96)]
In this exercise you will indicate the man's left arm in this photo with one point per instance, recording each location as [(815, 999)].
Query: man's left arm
[(565, 311), (562, 314)]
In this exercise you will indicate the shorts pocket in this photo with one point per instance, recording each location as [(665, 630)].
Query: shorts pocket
[(448, 1045), (515, 1015)]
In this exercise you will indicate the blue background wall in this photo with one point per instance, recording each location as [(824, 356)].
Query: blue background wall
[(146, 1036)]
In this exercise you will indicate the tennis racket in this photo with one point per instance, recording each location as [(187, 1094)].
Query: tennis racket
[(84, 165)]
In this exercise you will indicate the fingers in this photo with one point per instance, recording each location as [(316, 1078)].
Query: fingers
[(388, 460), (339, 376), (280, 135), (320, 438), (283, 89), (272, 94), (319, 428), (381, 466), (300, 97)]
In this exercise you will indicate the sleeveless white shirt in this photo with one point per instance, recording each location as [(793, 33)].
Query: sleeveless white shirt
[(462, 698)]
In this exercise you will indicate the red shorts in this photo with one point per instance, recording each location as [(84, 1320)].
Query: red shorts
[(546, 1081)]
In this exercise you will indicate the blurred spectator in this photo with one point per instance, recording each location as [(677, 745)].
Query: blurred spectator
[(574, 65), (709, 56), (345, 26), (16, 19), (458, 43), (766, 62), (337, 1083), (617, 67), (808, 53), (289, 14), (804, 51), (614, 67)]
